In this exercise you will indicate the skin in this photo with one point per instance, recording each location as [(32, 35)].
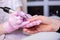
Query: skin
[(48, 25)]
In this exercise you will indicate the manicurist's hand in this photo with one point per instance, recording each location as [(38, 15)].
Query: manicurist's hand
[(14, 22)]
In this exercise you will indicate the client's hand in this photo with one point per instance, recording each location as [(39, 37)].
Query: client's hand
[(48, 25)]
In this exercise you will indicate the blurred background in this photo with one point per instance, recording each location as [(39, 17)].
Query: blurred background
[(43, 7)]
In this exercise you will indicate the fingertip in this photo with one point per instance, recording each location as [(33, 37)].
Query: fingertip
[(35, 15), (25, 30)]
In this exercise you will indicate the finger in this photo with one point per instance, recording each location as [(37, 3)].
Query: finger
[(35, 15), (34, 18), (31, 30), (44, 19), (18, 13), (33, 24), (37, 30), (24, 23), (28, 16), (27, 31), (30, 25), (45, 28), (22, 14), (41, 28)]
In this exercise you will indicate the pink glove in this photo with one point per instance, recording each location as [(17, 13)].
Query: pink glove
[(15, 21), (30, 24)]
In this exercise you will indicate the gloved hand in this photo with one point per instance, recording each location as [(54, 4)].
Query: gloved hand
[(17, 20)]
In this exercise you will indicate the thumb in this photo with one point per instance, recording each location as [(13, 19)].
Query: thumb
[(44, 19), (34, 18)]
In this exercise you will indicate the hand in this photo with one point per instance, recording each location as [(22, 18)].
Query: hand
[(48, 25), (14, 22)]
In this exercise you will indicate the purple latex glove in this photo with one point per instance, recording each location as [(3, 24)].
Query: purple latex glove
[(15, 21)]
